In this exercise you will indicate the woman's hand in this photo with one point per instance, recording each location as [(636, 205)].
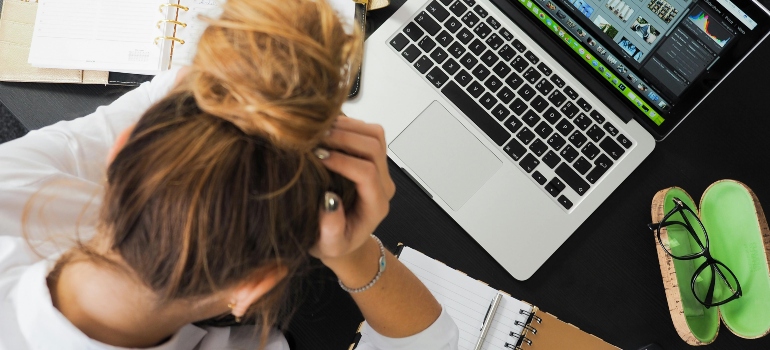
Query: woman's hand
[(345, 242)]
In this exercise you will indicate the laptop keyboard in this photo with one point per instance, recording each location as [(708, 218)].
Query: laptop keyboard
[(543, 124)]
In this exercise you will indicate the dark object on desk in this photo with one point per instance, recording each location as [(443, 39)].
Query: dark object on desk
[(10, 128)]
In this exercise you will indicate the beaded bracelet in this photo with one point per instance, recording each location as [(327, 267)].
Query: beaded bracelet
[(381, 269)]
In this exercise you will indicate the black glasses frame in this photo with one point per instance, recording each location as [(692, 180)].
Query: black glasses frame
[(710, 262)]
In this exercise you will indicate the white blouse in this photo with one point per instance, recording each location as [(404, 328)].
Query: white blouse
[(63, 167)]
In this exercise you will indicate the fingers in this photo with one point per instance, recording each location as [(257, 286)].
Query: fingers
[(372, 200), (372, 130), (333, 238)]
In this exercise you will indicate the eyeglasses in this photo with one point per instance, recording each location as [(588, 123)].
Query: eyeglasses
[(713, 283)]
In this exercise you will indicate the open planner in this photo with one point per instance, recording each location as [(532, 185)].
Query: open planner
[(514, 324)]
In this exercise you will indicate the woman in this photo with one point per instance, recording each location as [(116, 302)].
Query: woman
[(219, 185)]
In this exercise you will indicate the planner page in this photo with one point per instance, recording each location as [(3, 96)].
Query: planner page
[(467, 300), (109, 35)]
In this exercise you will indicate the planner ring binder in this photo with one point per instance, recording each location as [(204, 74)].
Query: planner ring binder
[(172, 22), (181, 7), (536, 318), (168, 38)]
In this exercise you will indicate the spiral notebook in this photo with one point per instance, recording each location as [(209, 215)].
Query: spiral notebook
[(136, 36), (515, 324)]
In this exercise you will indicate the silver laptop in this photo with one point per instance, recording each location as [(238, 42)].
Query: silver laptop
[(520, 117)]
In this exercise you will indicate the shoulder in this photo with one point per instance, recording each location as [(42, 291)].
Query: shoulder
[(241, 337)]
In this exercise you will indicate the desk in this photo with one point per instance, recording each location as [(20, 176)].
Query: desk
[(605, 278)]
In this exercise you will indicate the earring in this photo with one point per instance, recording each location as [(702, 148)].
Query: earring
[(232, 305)]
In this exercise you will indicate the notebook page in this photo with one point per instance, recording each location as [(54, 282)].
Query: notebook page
[(114, 35), (466, 300)]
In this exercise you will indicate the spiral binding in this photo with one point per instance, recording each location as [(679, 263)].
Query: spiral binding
[(532, 315), (520, 338), (171, 21)]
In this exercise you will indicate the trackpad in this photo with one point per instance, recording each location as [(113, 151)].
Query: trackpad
[(445, 155)]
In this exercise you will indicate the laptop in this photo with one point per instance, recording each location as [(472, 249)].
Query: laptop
[(520, 117)]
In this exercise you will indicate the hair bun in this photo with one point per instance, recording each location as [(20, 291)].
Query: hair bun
[(277, 68)]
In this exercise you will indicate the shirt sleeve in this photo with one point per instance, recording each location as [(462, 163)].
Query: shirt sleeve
[(443, 334), (70, 155)]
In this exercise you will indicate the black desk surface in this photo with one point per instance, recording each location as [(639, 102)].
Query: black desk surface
[(605, 279)]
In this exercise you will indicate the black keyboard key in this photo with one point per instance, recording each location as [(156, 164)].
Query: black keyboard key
[(529, 163), (551, 115), (519, 64), (564, 127), (470, 3), (539, 178), (480, 72), (399, 42), (577, 139), (582, 165), (500, 112), (531, 75), (584, 104), (545, 69), (493, 84), (572, 179), (582, 121), (451, 66), (453, 25), (458, 8), (538, 147), (480, 11), (518, 106), (463, 78), (426, 44), (439, 55), (413, 31), (531, 57), (427, 22), (570, 110), (519, 46), (527, 92), (465, 36), (602, 164), (514, 81), (494, 41), (470, 19), (590, 151), (612, 148), (493, 23), (596, 116), (489, 58), (569, 154), (556, 142), (611, 129), (475, 89), (557, 98), (544, 86), (507, 53), (555, 186), (506, 34), (557, 80), (501, 69), (525, 136), (457, 50), (595, 133), (488, 101), (437, 77), (475, 113), (514, 149), (446, 2), (469, 61), (411, 53), (506, 95), (565, 202), (530, 118), (539, 104), (444, 38), (477, 47), (570, 92), (482, 30), (513, 124), (543, 130), (625, 142), (437, 11), (423, 64)]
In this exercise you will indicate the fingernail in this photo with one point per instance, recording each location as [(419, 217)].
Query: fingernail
[(321, 153), (327, 133), (331, 201)]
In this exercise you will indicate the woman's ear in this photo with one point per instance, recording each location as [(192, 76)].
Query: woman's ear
[(262, 282)]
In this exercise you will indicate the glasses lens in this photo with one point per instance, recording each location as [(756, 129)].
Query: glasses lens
[(686, 235), (720, 280)]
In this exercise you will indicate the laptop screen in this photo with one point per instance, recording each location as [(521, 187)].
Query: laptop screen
[(661, 56)]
